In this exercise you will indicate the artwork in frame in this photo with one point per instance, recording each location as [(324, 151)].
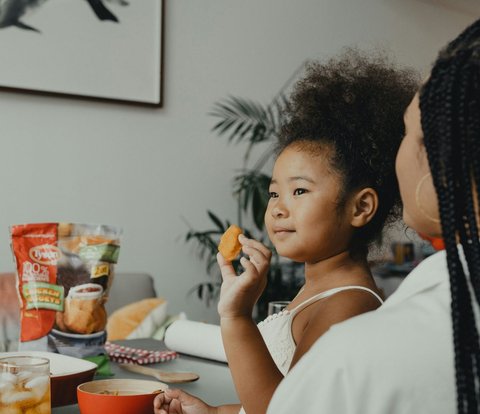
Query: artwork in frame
[(94, 49)]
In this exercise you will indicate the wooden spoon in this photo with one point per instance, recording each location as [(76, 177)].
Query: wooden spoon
[(164, 376)]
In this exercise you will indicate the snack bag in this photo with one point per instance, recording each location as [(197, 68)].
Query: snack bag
[(64, 273)]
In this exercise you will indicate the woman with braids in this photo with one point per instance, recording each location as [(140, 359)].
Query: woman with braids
[(419, 352), (333, 188)]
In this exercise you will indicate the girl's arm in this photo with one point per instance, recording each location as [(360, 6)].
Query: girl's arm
[(253, 370), (228, 409)]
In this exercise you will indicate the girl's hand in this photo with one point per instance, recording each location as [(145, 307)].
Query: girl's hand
[(174, 401), (239, 294)]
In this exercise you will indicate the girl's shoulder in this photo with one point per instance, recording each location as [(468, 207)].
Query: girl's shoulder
[(338, 305), (354, 295), (320, 315), (351, 301)]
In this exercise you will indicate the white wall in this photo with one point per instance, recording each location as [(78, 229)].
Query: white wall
[(146, 169)]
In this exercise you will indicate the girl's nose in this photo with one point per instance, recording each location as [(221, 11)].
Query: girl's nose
[(279, 210)]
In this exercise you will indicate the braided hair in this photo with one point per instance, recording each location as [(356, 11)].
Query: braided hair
[(450, 108)]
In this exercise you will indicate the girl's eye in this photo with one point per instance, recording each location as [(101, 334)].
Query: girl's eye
[(273, 194), (299, 191)]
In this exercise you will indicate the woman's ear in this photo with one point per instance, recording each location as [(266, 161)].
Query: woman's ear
[(364, 206)]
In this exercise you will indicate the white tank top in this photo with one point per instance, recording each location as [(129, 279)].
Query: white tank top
[(276, 329)]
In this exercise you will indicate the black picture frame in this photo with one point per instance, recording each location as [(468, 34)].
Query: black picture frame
[(101, 50)]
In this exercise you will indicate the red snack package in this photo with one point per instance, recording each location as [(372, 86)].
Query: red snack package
[(64, 274), (36, 260)]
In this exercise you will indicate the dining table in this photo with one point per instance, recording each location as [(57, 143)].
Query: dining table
[(215, 385)]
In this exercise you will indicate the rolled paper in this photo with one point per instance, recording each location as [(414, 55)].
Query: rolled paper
[(198, 339)]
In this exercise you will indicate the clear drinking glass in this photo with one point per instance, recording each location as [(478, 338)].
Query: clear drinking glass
[(277, 306), (25, 385)]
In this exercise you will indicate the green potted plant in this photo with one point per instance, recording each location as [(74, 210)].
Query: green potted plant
[(242, 120)]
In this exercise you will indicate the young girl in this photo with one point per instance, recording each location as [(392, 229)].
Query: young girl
[(420, 352), (333, 187)]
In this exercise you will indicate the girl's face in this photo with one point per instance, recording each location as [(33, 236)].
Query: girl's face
[(420, 205), (303, 219)]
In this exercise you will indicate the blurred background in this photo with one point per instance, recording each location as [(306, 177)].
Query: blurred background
[(156, 171)]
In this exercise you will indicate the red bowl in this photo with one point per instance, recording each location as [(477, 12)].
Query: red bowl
[(64, 387), (119, 396)]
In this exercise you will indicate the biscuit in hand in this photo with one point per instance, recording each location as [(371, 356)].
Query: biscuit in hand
[(229, 246)]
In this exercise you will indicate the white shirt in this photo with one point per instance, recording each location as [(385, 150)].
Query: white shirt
[(398, 359)]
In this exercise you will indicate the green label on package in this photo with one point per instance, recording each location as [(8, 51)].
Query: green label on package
[(40, 295), (100, 253)]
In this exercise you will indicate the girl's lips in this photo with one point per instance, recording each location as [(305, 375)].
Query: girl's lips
[(281, 230)]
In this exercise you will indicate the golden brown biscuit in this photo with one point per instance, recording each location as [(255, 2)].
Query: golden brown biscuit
[(64, 229), (229, 245), (84, 316), (59, 322)]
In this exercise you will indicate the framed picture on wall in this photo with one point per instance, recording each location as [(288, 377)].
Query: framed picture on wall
[(94, 49)]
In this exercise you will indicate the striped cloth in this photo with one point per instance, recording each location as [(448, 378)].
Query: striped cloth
[(127, 355)]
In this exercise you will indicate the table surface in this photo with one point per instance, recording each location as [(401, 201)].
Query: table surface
[(215, 385)]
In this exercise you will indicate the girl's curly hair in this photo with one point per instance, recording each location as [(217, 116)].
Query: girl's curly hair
[(354, 104)]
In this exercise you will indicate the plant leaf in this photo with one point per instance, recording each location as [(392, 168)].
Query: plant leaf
[(216, 220), (244, 119)]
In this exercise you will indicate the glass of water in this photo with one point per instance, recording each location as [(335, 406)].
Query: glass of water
[(277, 306), (25, 385)]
